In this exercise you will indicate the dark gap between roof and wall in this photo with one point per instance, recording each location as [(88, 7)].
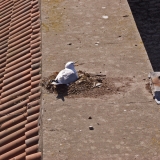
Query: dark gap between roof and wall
[(147, 17)]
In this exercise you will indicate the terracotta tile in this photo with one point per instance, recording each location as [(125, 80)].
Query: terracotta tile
[(14, 152), (14, 108), (13, 121), (19, 79), (7, 117), (32, 149), (13, 144), (13, 136), (35, 156)]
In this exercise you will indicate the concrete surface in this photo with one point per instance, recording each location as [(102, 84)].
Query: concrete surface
[(125, 124)]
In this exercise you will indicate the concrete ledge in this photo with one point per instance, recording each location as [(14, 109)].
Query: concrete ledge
[(126, 123)]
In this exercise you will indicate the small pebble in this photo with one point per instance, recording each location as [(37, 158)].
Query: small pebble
[(126, 16), (91, 128), (90, 118), (105, 17), (98, 84)]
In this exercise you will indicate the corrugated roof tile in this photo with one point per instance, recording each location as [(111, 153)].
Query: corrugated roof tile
[(20, 76)]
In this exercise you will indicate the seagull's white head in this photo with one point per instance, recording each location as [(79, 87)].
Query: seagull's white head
[(69, 65)]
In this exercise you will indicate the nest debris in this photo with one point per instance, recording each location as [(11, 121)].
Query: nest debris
[(87, 85)]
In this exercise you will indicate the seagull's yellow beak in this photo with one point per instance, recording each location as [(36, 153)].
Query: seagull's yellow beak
[(75, 63)]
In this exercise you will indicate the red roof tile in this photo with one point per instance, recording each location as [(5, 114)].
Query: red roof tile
[(20, 66)]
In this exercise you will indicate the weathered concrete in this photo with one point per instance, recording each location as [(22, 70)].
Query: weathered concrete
[(125, 125)]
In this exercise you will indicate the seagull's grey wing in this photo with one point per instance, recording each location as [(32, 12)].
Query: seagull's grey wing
[(58, 78), (66, 76)]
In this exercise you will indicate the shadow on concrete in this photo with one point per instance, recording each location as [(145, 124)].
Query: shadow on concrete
[(60, 96), (62, 91), (147, 17)]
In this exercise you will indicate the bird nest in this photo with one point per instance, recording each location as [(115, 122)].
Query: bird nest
[(87, 85)]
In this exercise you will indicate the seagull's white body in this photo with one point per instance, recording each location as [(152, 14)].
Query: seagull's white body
[(67, 75)]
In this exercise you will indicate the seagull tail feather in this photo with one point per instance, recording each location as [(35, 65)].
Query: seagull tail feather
[(55, 82)]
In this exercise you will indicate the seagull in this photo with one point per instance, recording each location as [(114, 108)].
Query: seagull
[(67, 75)]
